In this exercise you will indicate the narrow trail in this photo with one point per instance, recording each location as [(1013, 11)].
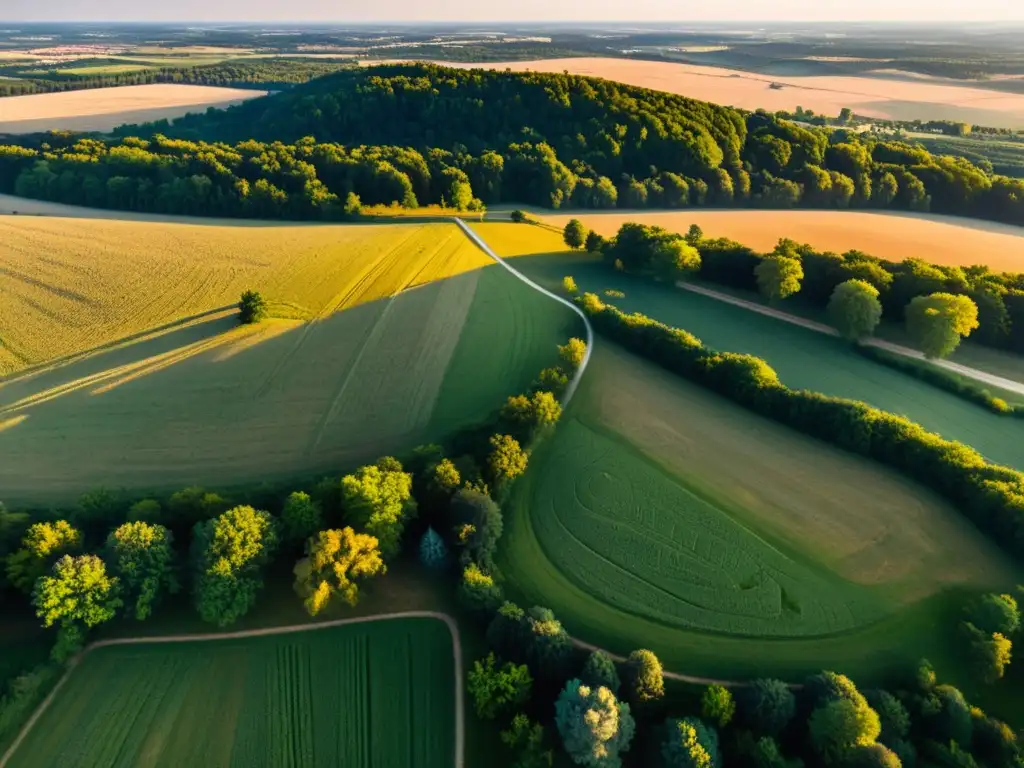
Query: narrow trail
[(460, 714), (972, 373), (571, 389)]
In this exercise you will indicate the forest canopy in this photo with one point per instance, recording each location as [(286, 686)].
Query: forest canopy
[(414, 134)]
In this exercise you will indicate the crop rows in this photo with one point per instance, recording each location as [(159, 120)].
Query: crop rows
[(622, 529), (376, 695)]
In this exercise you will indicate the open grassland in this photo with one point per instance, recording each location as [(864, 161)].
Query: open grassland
[(659, 510), (103, 109), (893, 236), (374, 694), (892, 99), (803, 358), (378, 344)]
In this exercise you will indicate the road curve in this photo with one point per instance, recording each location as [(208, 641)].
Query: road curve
[(479, 241), (460, 714)]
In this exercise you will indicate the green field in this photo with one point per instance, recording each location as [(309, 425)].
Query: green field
[(387, 336), (374, 694), (661, 511), (804, 359)]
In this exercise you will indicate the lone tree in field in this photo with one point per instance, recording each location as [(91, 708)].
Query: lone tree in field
[(690, 744), (337, 559), (569, 285), (646, 677), (498, 689), (778, 277), (518, 216), (937, 322), (378, 500), (301, 518), (694, 235), (228, 555), (595, 727), (42, 545), (141, 556), (854, 309), (77, 596), (574, 234), (252, 308)]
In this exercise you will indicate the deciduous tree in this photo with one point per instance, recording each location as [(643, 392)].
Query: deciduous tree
[(495, 688), (252, 307), (854, 309), (43, 544), (690, 744), (77, 595), (379, 501), (142, 558), (507, 460), (599, 671), (301, 517), (838, 726), (336, 561), (717, 705), (574, 234), (646, 678), (778, 277), (573, 352), (936, 323), (767, 706), (228, 555), (595, 727), (478, 591), (526, 741)]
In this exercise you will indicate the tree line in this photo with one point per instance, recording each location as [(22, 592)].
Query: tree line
[(264, 73), (991, 496), (615, 145), (940, 304)]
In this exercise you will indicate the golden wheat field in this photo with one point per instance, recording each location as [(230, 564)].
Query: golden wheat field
[(885, 98), (894, 236), (127, 366), (103, 109)]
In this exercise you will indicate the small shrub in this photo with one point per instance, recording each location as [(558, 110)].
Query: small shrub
[(252, 308)]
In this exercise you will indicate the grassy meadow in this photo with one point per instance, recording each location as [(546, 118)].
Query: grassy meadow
[(659, 510), (803, 358), (378, 344), (374, 694)]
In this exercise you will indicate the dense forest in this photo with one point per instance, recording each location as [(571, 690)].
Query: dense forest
[(426, 134), (262, 73)]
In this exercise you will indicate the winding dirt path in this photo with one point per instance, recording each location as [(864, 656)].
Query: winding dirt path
[(479, 241), (972, 373), (460, 714)]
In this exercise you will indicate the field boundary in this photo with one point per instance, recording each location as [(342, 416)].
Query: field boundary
[(460, 715), (971, 373), (571, 389)]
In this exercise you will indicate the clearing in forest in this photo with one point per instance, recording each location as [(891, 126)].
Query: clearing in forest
[(380, 693), (378, 344)]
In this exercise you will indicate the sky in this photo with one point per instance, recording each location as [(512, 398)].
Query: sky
[(520, 10)]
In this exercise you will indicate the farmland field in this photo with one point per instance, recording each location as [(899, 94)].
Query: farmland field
[(377, 346), (893, 236), (103, 109), (662, 511), (374, 694), (804, 359), (894, 99)]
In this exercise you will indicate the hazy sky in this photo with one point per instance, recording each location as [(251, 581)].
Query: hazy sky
[(519, 10)]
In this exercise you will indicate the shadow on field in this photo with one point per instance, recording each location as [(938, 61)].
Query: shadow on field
[(219, 404)]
